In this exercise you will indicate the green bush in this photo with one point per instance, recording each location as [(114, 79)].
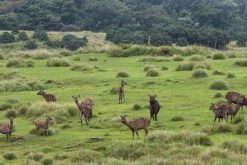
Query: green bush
[(199, 73), (10, 113), (57, 62), (241, 63), (147, 67), (47, 161), (5, 106), (77, 59), (7, 37), (22, 110), (22, 36), (9, 156), (196, 58), (164, 68), (122, 74), (152, 73), (30, 64), (232, 55), (241, 128), (31, 45), (218, 56), (235, 146), (82, 67), (202, 65), (218, 72), (222, 128), (186, 66), (137, 107), (35, 156), (177, 118), (92, 59), (15, 63), (241, 42), (218, 95), (72, 42), (177, 58), (54, 44), (41, 35), (72, 112), (87, 156), (219, 85), (182, 41), (230, 75)]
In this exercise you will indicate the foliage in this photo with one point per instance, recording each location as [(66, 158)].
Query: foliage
[(57, 62), (219, 85), (186, 66), (72, 42), (218, 56), (122, 74), (54, 44), (7, 37), (9, 156), (10, 113), (30, 45), (241, 63), (152, 73), (199, 73), (22, 36), (230, 75), (40, 35)]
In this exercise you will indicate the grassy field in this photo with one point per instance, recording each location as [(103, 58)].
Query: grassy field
[(184, 133)]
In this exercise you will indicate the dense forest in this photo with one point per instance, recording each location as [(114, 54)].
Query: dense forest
[(158, 22)]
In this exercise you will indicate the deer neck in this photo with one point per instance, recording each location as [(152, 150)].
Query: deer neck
[(44, 95), (128, 124), (47, 122), (78, 104)]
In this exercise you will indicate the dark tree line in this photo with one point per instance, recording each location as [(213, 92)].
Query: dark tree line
[(206, 22)]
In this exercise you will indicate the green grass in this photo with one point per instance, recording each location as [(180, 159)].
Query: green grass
[(178, 93)]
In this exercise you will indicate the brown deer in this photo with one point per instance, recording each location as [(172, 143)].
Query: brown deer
[(219, 111), (135, 125), (236, 98), (121, 92), (7, 128), (47, 97), (232, 110), (154, 107), (85, 108), (43, 124)]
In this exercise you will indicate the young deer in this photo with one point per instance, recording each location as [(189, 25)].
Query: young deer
[(85, 107), (47, 97), (43, 124), (135, 125), (219, 111), (154, 107), (7, 128), (121, 92)]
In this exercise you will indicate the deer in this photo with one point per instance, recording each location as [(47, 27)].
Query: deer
[(7, 128), (232, 110), (47, 97), (219, 111), (135, 125), (85, 108), (43, 124), (121, 92), (236, 98), (154, 107)]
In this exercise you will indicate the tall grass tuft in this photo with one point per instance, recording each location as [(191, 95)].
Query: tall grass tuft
[(218, 56), (122, 74), (57, 62), (186, 66), (219, 85), (241, 63), (199, 73)]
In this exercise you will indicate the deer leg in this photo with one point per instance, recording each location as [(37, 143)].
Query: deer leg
[(137, 134), (226, 119), (146, 132), (156, 117), (7, 137), (214, 119), (123, 97), (47, 132), (133, 134)]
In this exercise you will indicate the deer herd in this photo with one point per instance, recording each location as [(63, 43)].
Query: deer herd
[(235, 102)]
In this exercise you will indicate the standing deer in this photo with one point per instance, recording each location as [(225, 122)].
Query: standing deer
[(219, 111), (43, 124), (85, 108), (47, 97), (7, 128), (232, 110), (135, 125), (121, 92), (154, 107), (236, 98)]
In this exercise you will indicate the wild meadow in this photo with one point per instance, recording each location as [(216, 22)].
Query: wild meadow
[(186, 81)]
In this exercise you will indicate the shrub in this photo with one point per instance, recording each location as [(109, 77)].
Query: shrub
[(30, 45), (35, 156), (218, 72), (114, 91), (9, 156), (147, 67), (182, 41), (77, 59), (241, 42), (87, 156), (219, 85), (197, 123), (15, 63), (241, 128), (72, 42), (164, 68), (238, 119), (224, 128), (153, 59), (66, 53), (199, 73), (202, 65), (178, 58), (23, 110), (82, 67), (122, 74), (54, 44), (218, 56), (5, 106), (235, 146), (241, 63), (7, 37), (177, 118), (72, 112), (218, 95), (57, 62), (41, 35), (30, 63), (196, 58), (10, 113), (70, 28), (186, 66), (92, 59), (232, 55), (152, 73), (230, 75), (137, 107), (22, 36), (47, 161)]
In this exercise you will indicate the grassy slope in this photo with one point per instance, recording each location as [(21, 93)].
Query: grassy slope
[(183, 96)]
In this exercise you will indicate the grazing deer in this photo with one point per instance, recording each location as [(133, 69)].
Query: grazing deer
[(219, 111), (154, 107), (47, 97), (7, 128), (43, 124), (135, 125), (121, 92), (85, 107), (236, 98)]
